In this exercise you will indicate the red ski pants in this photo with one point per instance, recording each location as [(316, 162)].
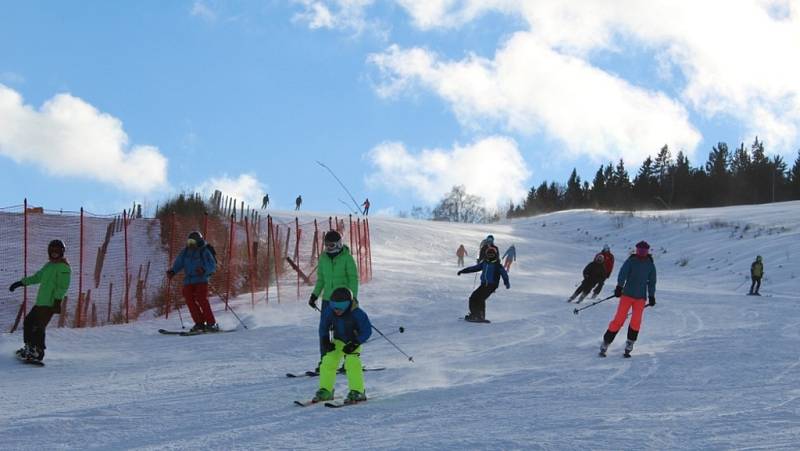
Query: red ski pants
[(196, 296), (625, 304)]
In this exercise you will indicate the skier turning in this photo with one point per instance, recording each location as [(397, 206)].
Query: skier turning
[(636, 280), (491, 272), (343, 327), (509, 256), (756, 273), (198, 263), (608, 264), (594, 273), (53, 278)]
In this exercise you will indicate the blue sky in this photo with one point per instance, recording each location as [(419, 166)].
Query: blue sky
[(106, 103)]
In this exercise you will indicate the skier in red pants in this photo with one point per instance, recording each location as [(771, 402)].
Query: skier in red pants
[(198, 263), (635, 282)]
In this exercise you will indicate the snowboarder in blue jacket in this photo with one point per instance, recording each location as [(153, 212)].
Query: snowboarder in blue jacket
[(491, 272)]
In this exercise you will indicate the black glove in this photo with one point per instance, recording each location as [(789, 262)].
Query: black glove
[(312, 301), (57, 306), (15, 285), (652, 301), (327, 346), (460, 272), (351, 347), (170, 274), (618, 291)]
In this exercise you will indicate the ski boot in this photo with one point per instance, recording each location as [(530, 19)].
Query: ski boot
[(197, 328), (212, 327), (34, 353), (581, 298), (628, 349), (322, 395), (23, 352), (355, 397), (603, 349), (571, 298)]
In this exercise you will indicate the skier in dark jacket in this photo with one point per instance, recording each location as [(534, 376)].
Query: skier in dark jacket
[(486, 243), (491, 272), (608, 264), (343, 328), (594, 273), (635, 283), (53, 280), (756, 273)]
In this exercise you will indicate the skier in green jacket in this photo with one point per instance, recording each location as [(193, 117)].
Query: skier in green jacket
[(336, 268), (53, 279)]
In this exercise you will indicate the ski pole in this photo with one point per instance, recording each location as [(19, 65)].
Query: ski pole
[(592, 304), (389, 334), (228, 306), (178, 307), (410, 359)]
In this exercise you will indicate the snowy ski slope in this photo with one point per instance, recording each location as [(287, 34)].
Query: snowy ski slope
[(713, 368)]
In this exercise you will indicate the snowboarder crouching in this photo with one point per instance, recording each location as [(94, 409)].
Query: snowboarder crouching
[(491, 272), (342, 329)]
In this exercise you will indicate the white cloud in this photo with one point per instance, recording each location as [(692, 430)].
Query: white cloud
[(737, 59), (203, 11), (335, 14), (528, 87), (69, 137), (245, 188), (492, 168)]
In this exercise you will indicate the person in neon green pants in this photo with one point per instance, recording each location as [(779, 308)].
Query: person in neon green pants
[(342, 330)]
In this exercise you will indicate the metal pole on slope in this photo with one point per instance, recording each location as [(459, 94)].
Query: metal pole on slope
[(342, 185)]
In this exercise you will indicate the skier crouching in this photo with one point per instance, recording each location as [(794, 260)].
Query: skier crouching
[(636, 280), (54, 282), (343, 327), (593, 274), (491, 272)]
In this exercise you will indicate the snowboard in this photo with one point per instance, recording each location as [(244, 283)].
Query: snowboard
[(484, 321), (38, 363)]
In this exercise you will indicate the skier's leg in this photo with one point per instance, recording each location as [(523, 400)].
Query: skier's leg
[(635, 325), (355, 373), (327, 369), (618, 321), (758, 284), (752, 284), (598, 288), (473, 301), (40, 317), (188, 295), (201, 295), (482, 302)]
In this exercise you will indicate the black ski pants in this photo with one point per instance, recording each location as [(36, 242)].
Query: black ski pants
[(586, 286), (755, 285), (35, 324), (477, 300)]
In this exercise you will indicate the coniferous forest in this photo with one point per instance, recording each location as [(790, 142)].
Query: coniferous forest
[(744, 175)]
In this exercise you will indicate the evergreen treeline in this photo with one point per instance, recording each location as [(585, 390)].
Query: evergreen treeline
[(729, 177)]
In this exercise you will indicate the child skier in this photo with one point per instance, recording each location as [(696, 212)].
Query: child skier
[(342, 329), (636, 280), (608, 264), (54, 282), (198, 264), (756, 273), (594, 273), (491, 272), (460, 253), (486, 243)]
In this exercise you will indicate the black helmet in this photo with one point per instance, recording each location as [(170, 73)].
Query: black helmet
[(332, 236), (333, 242), (342, 294), (195, 235), (57, 246)]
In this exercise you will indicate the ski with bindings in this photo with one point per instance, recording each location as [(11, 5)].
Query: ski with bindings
[(336, 405), (484, 321), (340, 371), (186, 333), (38, 363)]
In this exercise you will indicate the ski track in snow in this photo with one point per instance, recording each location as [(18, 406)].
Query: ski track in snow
[(712, 369)]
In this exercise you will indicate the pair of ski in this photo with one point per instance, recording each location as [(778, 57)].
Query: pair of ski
[(484, 321), (33, 362), (187, 333), (340, 371), (627, 355), (331, 404)]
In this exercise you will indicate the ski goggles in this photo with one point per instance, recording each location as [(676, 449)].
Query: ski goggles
[(332, 246), (339, 305), (191, 242)]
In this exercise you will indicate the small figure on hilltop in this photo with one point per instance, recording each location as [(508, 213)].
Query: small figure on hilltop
[(509, 256), (265, 201), (486, 243), (343, 327), (636, 282), (460, 253), (756, 273), (608, 264), (336, 268), (594, 273), (198, 262), (53, 279), (366, 207), (491, 272), (297, 202)]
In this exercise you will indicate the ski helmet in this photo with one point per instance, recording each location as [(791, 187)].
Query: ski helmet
[(606, 248), (195, 238), (341, 298), (491, 253), (642, 248), (58, 247), (490, 239), (333, 242), (758, 258), (599, 258)]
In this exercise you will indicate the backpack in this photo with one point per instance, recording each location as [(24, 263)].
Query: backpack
[(213, 252)]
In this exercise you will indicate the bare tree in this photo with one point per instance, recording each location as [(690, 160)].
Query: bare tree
[(458, 206)]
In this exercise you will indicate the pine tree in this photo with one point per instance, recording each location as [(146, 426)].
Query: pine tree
[(718, 175), (794, 179), (574, 195), (645, 183)]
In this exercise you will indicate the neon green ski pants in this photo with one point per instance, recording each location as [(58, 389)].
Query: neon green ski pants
[(352, 365)]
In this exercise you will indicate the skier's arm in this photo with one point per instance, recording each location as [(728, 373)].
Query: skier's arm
[(62, 282), (177, 266), (352, 276), (473, 268), (622, 277), (504, 275), (34, 279), (320, 280), (208, 262), (651, 282), (325, 322), (364, 326)]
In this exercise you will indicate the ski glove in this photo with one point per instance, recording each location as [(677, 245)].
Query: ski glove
[(327, 346), (312, 301), (170, 274), (460, 272), (351, 347), (618, 291), (652, 301), (200, 271), (15, 285)]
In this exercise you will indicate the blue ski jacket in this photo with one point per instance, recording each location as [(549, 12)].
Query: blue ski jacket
[(638, 277), (197, 264), (352, 326), (491, 272), (511, 253)]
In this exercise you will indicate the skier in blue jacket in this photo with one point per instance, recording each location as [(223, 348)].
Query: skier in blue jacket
[(491, 272), (198, 263)]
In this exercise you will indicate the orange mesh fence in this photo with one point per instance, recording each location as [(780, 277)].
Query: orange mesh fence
[(119, 263)]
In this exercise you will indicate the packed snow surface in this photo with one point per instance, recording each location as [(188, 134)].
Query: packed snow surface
[(713, 368)]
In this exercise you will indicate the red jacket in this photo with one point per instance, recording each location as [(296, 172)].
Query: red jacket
[(608, 262)]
